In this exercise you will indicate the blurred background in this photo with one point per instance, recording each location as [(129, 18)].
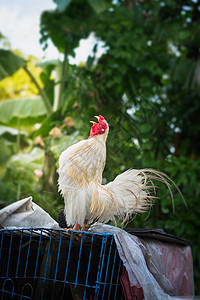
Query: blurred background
[(135, 62)]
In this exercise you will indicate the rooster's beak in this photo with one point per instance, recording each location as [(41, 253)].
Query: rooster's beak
[(97, 118), (93, 121)]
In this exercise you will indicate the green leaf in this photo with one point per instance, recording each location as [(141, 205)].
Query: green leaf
[(147, 146), (98, 5), (5, 152), (62, 143), (9, 63), (12, 131), (184, 34), (21, 108), (47, 124), (144, 128), (36, 156), (62, 4), (45, 64)]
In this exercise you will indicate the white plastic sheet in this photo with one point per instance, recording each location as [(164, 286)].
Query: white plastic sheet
[(151, 278), (25, 214)]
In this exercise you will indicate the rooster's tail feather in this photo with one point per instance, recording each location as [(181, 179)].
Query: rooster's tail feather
[(131, 192)]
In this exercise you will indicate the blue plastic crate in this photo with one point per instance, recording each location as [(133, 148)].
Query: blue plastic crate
[(40, 263)]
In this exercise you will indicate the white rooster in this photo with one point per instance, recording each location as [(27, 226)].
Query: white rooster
[(80, 183)]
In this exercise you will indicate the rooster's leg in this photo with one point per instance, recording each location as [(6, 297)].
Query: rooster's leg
[(76, 227), (85, 225)]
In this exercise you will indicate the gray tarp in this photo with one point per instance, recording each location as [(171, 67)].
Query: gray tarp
[(129, 248), (25, 214)]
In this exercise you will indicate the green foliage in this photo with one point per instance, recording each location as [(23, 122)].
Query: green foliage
[(9, 63), (23, 109), (98, 6), (62, 4), (20, 85)]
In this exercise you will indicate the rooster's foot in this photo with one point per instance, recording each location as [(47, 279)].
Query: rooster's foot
[(85, 226), (77, 227)]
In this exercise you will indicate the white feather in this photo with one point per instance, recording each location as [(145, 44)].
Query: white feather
[(80, 167), (80, 177)]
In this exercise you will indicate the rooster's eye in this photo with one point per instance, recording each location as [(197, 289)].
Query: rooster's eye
[(103, 124)]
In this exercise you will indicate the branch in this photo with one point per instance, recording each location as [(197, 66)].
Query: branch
[(43, 95), (62, 87)]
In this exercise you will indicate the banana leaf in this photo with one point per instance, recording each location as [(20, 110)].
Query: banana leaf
[(28, 111)]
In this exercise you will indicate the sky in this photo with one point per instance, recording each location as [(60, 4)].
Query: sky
[(19, 23)]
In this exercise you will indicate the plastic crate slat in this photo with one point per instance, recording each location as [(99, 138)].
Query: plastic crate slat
[(79, 260), (88, 268), (27, 257), (68, 256), (104, 239), (58, 256), (18, 259), (38, 253), (116, 287), (47, 259), (9, 255), (113, 267), (107, 267)]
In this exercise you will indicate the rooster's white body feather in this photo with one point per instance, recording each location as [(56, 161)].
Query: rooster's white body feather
[(80, 182), (80, 171)]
